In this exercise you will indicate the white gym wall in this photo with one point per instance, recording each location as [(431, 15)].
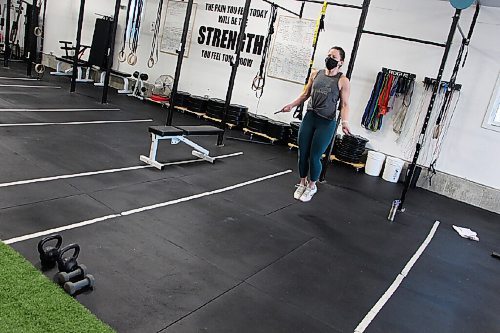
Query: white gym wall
[(470, 151)]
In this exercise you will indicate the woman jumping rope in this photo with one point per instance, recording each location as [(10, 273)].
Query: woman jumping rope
[(325, 87)]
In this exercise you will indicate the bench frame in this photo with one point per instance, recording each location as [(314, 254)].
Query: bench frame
[(126, 90), (69, 71), (198, 151), (68, 59)]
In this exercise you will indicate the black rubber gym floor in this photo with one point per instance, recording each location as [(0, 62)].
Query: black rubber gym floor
[(247, 259)]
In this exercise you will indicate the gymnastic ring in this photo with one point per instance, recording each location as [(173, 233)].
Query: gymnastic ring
[(38, 32), (39, 68), (122, 57), (151, 62), (132, 59), (257, 83)]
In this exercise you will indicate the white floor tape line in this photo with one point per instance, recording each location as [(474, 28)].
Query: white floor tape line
[(80, 123), (102, 172), (143, 209), (76, 175), (55, 110), (397, 282), (26, 86), (17, 78)]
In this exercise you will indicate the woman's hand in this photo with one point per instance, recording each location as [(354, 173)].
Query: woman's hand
[(287, 108), (345, 128)]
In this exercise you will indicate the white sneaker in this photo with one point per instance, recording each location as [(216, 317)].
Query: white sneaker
[(299, 191), (308, 194)]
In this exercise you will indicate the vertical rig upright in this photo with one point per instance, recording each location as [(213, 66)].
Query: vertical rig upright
[(78, 45), (234, 69)]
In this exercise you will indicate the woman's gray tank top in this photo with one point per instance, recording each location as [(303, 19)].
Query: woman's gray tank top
[(325, 95)]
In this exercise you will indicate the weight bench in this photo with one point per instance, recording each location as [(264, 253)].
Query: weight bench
[(68, 59), (179, 134), (124, 76)]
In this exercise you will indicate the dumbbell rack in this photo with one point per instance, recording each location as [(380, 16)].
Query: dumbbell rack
[(357, 166), (186, 110), (262, 135), (230, 126)]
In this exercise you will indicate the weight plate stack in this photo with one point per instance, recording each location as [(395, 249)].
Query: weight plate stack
[(352, 148), (181, 99), (337, 145), (237, 115), (257, 123), (278, 130), (197, 104), (215, 108), (294, 132)]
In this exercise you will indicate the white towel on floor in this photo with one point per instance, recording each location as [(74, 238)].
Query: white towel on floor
[(466, 233)]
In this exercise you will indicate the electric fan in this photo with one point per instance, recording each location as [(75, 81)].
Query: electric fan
[(162, 88)]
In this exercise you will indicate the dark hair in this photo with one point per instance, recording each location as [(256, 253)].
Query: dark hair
[(341, 51)]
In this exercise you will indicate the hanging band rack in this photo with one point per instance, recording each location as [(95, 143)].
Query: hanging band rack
[(399, 73)]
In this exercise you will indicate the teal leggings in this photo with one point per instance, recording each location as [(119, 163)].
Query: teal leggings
[(315, 134)]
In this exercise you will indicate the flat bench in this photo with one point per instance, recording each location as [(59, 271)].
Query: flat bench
[(123, 76), (178, 134), (68, 59)]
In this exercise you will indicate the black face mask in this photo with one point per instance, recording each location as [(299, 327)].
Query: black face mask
[(331, 63)]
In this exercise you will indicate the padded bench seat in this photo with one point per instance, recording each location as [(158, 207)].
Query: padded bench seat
[(185, 130), (121, 75), (118, 73), (200, 130), (70, 61), (165, 130)]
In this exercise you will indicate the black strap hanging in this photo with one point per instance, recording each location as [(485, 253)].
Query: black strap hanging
[(40, 32), (2, 19), (260, 79), (133, 41), (122, 57), (320, 26), (153, 57), (15, 24)]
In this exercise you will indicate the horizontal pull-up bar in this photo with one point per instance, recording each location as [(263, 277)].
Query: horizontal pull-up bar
[(422, 41), (283, 8), (334, 4)]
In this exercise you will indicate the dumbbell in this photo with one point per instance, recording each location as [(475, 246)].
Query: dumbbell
[(74, 287), (49, 254), (80, 272)]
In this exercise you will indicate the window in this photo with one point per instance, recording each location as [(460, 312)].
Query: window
[(492, 118)]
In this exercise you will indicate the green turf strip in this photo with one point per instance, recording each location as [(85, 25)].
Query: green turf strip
[(29, 302)]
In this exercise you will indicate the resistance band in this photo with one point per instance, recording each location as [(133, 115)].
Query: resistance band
[(153, 57), (389, 87), (320, 26), (260, 79)]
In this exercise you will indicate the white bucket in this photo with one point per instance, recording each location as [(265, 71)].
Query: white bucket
[(392, 170), (374, 163)]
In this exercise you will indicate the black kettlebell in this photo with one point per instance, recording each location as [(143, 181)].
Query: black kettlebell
[(49, 254), (68, 264)]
